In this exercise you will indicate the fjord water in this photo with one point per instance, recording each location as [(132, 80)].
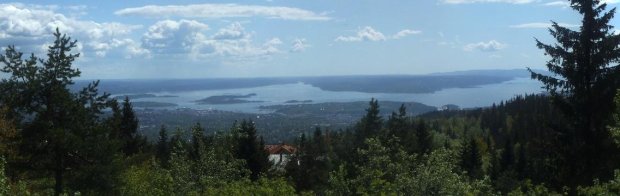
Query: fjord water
[(477, 96)]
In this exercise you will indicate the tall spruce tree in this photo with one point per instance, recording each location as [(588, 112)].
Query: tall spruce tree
[(163, 147), (397, 123), (132, 141), (471, 159), (63, 132), (424, 137), (584, 79), (251, 149), (198, 143), (311, 164), (370, 125)]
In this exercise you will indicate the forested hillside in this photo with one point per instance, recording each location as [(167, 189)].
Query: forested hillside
[(56, 141)]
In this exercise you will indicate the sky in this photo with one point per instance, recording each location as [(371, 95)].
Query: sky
[(264, 38)]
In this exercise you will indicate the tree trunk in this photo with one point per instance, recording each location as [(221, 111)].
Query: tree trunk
[(58, 173)]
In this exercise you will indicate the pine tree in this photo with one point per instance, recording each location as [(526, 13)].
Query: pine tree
[(163, 147), (424, 137), (397, 123), (521, 165), (311, 164), (129, 129), (198, 143), (494, 168), (582, 86), (180, 166), (471, 160), (508, 156), (67, 131), (321, 162), (294, 169), (370, 125), (250, 149)]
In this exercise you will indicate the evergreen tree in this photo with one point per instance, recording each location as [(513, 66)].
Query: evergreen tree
[(508, 156), (370, 125), (397, 123), (163, 147), (65, 130), (424, 137), (521, 165), (129, 129), (180, 167), (582, 86), (494, 166), (471, 160), (9, 141), (114, 122), (311, 164), (198, 143), (250, 149), (294, 169)]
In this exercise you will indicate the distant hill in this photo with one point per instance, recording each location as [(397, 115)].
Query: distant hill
[(517, 73), (355, 109), (404, 83), (427, 83)]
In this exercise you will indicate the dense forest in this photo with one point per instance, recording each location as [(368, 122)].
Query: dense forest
[(58, 141)]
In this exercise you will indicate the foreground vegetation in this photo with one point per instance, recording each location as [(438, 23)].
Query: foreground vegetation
[(57, 141)]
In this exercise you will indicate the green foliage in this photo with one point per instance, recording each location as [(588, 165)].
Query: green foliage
[(163, 148), (390, 170), (58, 141), (436, 175), (424, 137), (527, 188), (614, 129), (4, 184), (609, 188), (128, 127), (67, 135), (9, 138), (471, 160), (180, 169), (383, 170), (198, 148), (261, 187), (370, 125), (251, 149), (147, 179), (582, 85), (309, 167), (339, 183)]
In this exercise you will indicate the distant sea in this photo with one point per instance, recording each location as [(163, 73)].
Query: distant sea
[(479, 96), (466, 91)]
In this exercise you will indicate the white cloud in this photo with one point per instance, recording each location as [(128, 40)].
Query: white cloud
[(490, 46), (566, 4), (538, 25), (563, 4), (127, 48), (370, 34), (299, 45), (232, 32), (364, 34), (487, 1), (405, 33), (222, 11), (31, 26), (189, 37), (168, 36)]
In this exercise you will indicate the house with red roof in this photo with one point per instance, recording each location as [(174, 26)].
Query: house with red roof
[(280, 154)]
